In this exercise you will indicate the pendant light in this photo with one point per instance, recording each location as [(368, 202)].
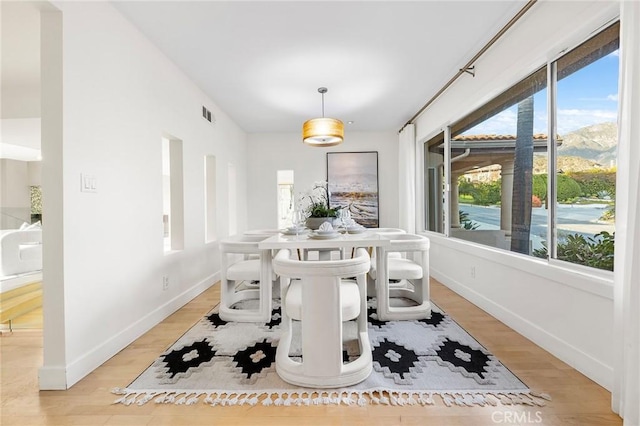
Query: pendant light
[(323, 131)]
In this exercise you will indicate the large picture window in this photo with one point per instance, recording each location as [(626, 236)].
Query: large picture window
[(585, 117), (533, 170)]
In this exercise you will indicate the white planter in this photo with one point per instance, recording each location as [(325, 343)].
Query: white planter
[(315, 222)]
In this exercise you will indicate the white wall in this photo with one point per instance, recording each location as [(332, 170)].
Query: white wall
[(567, 312), (35, 173), (121, 94), (270, 152), (15, 198)]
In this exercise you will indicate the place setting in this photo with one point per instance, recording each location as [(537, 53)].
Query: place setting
[(298, 227), (348, 225), (353, 227), (295, 230), (325, 232)]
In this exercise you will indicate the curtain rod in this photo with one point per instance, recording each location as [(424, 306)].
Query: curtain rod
[(469, 64)]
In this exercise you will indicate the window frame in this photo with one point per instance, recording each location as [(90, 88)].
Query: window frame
[(573, 55)]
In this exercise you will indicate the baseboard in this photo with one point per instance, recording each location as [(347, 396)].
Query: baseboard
[(85, 364), (584, 363), (52, 378)]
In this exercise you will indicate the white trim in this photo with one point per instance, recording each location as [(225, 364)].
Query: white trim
[(587, 365), (585, 279), (52, 378), (56, 378)]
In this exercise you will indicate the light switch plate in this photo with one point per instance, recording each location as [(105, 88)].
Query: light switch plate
[(88, 183)]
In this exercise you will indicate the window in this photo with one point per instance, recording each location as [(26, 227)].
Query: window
[(285, 198), (434, 162), (209, 198), (232, 199), (497, 154), (172, 194), (531, 179), (586, 100)]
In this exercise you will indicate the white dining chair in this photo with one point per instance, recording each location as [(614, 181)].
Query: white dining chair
[(246, 283), (321, 299), (400, 276)]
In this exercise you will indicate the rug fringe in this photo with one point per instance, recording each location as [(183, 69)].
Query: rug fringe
[(330, 397)]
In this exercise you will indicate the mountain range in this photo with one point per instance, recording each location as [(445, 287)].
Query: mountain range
[(591, 147), (598, 143)]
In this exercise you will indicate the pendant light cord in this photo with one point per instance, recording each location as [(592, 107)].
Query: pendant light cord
[(322, 91)]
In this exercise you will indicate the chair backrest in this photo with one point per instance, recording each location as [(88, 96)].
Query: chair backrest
[(285, 266), (261, 232), (408, 242), (405, 245), (246, 244)]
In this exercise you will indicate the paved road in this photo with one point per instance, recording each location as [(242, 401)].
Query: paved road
[(574, 219)]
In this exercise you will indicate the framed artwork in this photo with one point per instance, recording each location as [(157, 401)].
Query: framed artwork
[(352, 179)]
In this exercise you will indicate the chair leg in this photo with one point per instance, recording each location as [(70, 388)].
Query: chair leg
[(419, 294), (229, 297)]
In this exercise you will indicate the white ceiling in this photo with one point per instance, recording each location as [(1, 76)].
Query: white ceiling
[(20, 81), (262, 62), (20, 59)]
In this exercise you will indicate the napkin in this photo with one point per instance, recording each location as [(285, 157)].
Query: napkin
[(354, 225), (325, 226)]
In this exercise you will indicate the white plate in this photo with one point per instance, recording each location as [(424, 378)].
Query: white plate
[(323, 236), (319, 232), (356, 230), (292, 232)]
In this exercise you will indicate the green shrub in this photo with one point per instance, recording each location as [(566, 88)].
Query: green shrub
[(486, 194), (609, 214), (465, 187), (568, 189), (465, 222), (540, 187), (596, 252), (596, 183)]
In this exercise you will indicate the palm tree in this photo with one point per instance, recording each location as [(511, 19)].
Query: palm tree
[(522, 175)]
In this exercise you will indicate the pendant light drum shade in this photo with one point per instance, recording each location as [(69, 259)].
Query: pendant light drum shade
[(323, 132)]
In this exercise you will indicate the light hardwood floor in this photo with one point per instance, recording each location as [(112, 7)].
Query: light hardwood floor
[(576, 399)]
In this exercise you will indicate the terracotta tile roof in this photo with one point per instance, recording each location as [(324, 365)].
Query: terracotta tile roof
[(478, 138)]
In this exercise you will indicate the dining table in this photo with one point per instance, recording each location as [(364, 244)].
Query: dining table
[(311, 240)]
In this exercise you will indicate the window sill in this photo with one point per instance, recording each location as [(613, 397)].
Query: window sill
[(582, 278)]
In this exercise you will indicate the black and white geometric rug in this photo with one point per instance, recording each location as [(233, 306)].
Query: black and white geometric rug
[(422, 362)]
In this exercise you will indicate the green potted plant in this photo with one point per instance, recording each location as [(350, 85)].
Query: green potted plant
[(317, 206)]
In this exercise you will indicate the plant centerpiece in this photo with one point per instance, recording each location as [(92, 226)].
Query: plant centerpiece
[(315, 204)]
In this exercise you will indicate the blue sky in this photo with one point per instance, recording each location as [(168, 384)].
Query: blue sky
[(586, 97)]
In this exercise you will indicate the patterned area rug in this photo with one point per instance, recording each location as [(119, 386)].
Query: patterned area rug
[(422, 362)]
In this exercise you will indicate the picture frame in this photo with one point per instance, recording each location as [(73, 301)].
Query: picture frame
[(352, 179)]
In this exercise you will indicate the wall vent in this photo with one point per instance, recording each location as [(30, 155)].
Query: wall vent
[(206, 114)]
